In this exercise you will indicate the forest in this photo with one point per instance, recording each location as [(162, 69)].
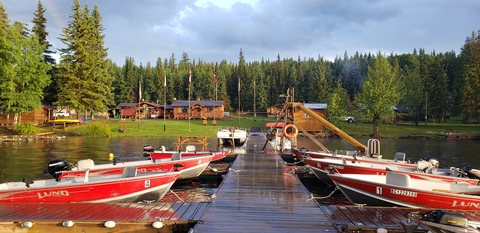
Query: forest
[(420, 85)]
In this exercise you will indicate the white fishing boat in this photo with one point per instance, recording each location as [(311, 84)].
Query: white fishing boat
[(233, 136)]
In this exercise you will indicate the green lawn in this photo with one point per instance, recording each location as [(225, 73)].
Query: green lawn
[(159, 127)]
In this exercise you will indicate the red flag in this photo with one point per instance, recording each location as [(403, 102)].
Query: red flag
[(189, 75), (215, 76)]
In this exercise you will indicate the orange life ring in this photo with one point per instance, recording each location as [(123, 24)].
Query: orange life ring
[(292, 134)]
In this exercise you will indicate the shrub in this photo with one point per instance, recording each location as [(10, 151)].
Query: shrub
[(24, 128), (95, 128)]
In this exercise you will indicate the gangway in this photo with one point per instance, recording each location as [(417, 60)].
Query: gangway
[(332, 127)]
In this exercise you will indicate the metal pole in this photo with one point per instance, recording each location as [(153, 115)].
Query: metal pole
[(254, 104), (165, 102)]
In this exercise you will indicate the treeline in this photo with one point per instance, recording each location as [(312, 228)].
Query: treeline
[(434, 85)]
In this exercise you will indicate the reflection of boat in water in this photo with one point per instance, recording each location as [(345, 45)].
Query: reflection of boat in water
[(232, 135), (274, 133)]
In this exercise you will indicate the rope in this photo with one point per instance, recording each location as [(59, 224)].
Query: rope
[(329, 195), (177, 196), (295, 163)]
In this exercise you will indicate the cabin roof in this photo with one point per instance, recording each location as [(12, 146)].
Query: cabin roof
[(315, 105), (272, 124), (204, 103)]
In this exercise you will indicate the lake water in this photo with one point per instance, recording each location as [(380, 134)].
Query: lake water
[(29, 159)]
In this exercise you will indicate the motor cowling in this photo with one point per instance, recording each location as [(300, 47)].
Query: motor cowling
[(471, 172), (147, 150), (57, 165)]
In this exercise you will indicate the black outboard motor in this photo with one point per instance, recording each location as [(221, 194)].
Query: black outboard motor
[(147, 150), (471, 172), (57, 165)]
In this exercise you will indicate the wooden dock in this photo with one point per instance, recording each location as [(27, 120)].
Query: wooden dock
[(260, 195), (92, 217)]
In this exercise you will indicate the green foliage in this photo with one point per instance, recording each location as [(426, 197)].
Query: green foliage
[(92, 128), (24, 128), (381, 90), (337, 104)]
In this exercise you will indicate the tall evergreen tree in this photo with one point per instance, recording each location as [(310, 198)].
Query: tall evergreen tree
[(40, 30), (85, 79)]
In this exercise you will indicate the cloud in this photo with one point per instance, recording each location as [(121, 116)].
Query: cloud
[(213, 30)]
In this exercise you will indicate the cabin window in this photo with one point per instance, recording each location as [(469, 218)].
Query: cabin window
[(304, 115), (209, 109), (184, 110)]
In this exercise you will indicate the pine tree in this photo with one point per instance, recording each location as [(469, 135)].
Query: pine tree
[(85, 79), (40, 30)]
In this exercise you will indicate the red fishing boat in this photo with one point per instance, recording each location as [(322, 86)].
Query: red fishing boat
[(189, 167), (397, 189), (399, 158), (126, 187), (322, 167), (189, 151)]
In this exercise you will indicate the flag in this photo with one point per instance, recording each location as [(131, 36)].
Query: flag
[(215, 76), (165, 80), (189, 75)]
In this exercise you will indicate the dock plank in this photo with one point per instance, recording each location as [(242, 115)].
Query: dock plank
[(257, 195)]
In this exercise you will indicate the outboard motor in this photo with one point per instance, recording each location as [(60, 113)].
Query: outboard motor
[(424, 166), (57, 165), (147, 150), (471, 172), (435, 163)]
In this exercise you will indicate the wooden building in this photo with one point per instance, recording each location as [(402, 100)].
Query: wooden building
[(144, 110), (200, 109), (306, 121), (274, 110), (37, 116)]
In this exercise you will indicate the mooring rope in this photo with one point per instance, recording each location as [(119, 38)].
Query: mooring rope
[(329, 195), (295, 163), (177, 195)]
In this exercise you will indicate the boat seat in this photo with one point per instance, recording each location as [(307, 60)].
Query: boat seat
[(399, 179), (399, 156), (176, 156), (85, 178), (85, 164), (190, 149), (129, 172)]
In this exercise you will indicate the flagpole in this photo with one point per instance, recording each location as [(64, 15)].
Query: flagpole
[(215, 82), (164, 101), (138, 106), (189, 84), (238, 115)]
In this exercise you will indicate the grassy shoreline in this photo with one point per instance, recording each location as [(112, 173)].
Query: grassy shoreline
[(175, 128)]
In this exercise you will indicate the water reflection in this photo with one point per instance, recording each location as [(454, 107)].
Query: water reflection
[(29, 159)]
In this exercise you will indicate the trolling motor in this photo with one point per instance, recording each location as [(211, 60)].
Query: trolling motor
[(439, 216), (57, 165)]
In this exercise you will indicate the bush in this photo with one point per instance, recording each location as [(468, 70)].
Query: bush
[(95, 128), (25, 128)]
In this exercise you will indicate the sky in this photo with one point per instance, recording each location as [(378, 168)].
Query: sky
[(216, 30)]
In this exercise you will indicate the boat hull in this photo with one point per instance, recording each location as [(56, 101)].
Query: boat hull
[(188, 167), (362, 191), (114, 188), (321, 168)]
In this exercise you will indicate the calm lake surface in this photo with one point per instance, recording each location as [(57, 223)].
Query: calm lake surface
[(29, 159)]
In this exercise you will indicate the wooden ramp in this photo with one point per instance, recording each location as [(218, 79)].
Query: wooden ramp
[(259, 195)]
